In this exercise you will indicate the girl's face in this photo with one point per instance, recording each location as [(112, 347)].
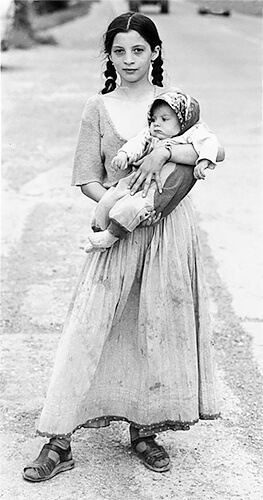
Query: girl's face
[(132, 56), (164, 122)]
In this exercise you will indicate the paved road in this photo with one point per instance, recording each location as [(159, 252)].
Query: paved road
[(44, 91)]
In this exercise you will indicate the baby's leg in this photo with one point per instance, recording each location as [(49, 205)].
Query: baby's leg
[(104, 238), (127, 214), (112, 195), (176, 186), (124, 217), (130, 211)]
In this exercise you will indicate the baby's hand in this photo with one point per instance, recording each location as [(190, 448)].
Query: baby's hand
[(120, 161), (202, 165)]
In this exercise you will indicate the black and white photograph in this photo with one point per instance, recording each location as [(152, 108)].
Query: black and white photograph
[(131, 250)]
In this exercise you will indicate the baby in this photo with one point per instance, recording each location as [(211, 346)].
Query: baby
[(174, 118)]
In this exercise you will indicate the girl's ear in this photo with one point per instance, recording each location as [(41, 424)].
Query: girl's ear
[(155, 52)]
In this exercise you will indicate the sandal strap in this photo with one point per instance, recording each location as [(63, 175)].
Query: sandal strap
[(154, 455), (43, 469), (146, 439), (153, 451), (64, 455)]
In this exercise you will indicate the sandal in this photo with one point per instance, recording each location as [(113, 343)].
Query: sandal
[(152, 453), (45, 467)]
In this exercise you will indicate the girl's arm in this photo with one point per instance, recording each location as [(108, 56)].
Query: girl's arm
[(93, 190), (186, 154), (150, 166)]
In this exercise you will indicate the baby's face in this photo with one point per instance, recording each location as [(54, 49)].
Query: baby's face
[(164, 122)]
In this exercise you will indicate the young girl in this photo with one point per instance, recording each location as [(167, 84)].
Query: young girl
[(136, 344), (174, 118)]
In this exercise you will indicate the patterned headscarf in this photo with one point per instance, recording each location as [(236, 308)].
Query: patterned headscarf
[(185, 107)]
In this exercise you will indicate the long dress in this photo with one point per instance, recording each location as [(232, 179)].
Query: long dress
[(137, 343)]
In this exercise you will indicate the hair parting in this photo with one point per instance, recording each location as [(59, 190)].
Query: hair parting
[(129, 22)]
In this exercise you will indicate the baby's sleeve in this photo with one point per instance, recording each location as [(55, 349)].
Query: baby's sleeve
[(134, 148), (204, 142), (88, 162)]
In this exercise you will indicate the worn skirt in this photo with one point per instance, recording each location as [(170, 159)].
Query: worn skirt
[(137, 344)]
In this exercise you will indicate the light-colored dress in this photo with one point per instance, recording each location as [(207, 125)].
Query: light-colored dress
[(136, 344)]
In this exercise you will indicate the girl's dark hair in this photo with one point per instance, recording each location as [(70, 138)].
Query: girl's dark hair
[(147, 29)]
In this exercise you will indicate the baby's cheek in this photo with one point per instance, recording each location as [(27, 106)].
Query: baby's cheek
[(151, 128)]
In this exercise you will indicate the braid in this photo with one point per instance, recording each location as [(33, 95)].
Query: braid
[(111, 76), (157, 71)]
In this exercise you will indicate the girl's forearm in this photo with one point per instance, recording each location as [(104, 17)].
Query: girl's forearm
[(93, 190), (186, 154), (183, 153)]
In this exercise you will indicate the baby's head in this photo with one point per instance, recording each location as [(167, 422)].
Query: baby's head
[(172, 113)]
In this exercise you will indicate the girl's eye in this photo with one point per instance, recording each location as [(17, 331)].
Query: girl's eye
[(118, 51), (138, 51)]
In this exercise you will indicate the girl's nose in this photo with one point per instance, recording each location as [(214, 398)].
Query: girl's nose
[(128, 58)]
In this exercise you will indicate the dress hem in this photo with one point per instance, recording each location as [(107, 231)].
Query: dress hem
[(105, 421)]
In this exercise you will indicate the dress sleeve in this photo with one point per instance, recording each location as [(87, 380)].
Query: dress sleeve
[(88, 160)]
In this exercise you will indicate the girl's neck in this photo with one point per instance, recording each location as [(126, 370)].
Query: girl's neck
[(134, 91)]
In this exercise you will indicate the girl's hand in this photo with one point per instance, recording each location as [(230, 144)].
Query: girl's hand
[(152, 219), (149, 168)]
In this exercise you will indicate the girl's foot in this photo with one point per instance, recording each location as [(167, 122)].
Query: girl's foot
[(51, 461), (152, 454), (100, 241)]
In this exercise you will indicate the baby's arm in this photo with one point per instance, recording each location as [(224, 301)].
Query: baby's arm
[(206, 146), (132, 150), (202, 165), (120, 160)]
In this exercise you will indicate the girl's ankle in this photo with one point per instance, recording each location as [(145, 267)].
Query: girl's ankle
[(136, 437), (63, 443)]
